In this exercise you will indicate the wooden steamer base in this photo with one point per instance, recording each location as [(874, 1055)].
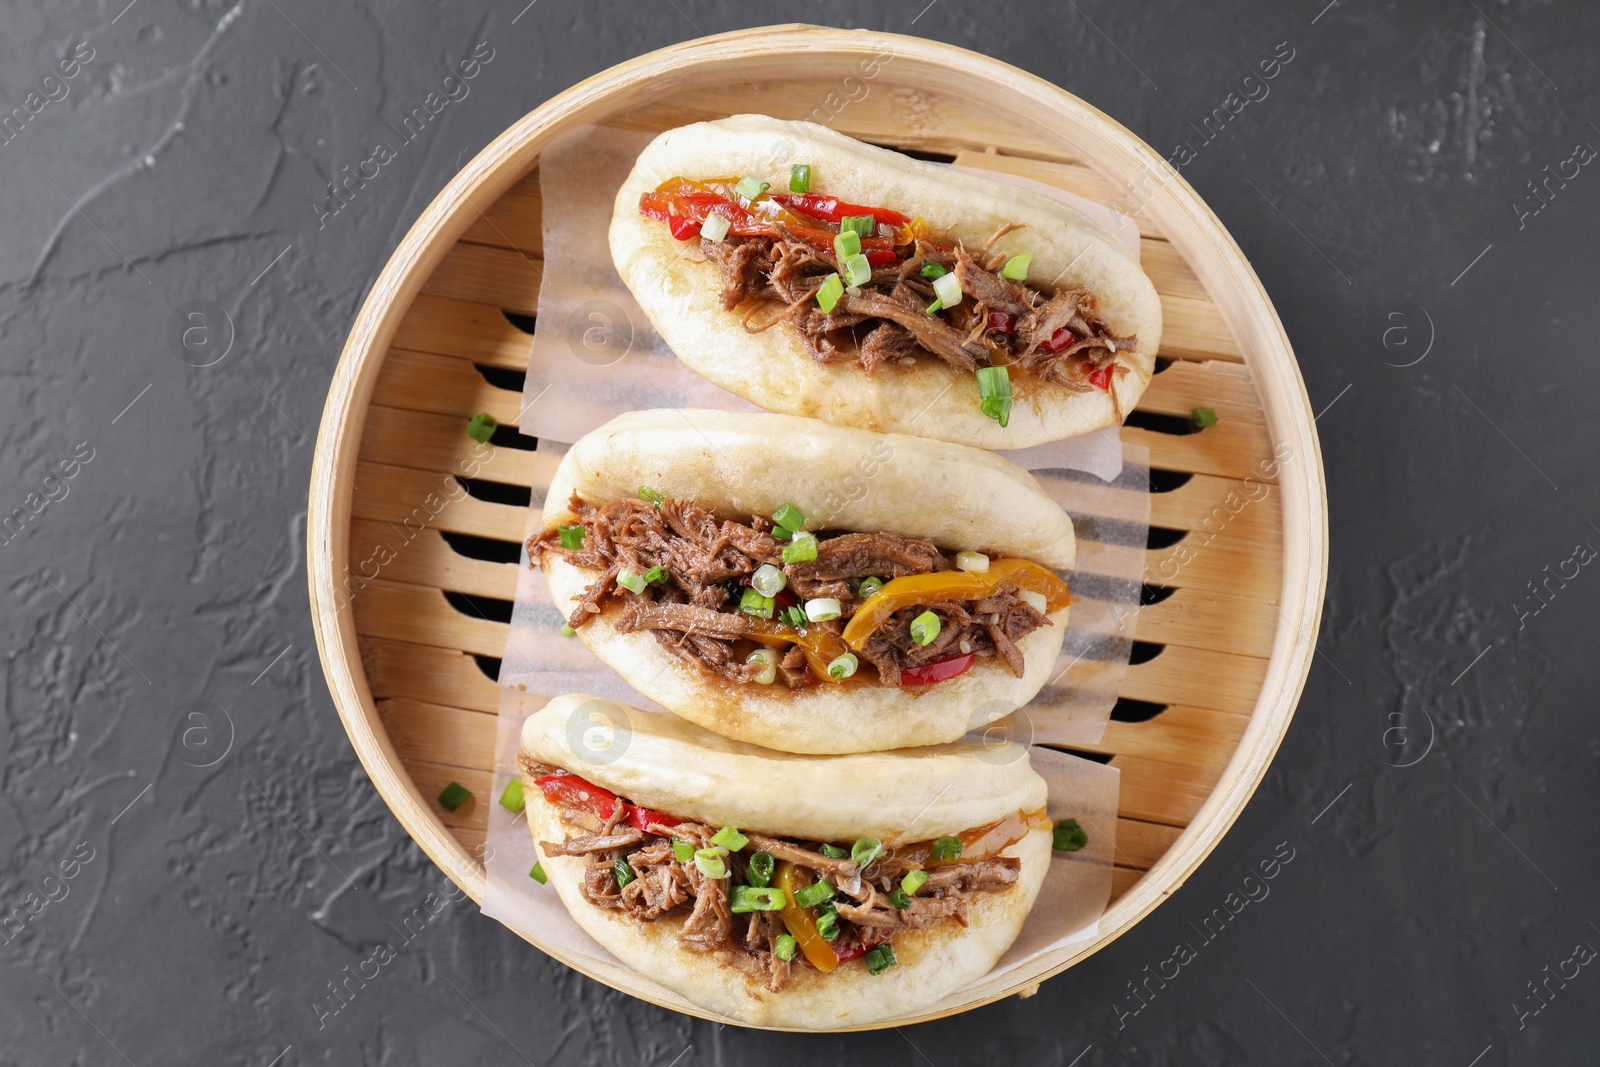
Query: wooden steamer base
[(1236, 570)]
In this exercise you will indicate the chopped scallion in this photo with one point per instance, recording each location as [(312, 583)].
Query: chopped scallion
[(623, 872), (833, 852), (930, 269), (863, 225), (729, 838), (630, 581), (802, 547), (857, 271), (1068, 836), (830, 292), (760, 868), (1016, 268), (769, 666), (868, 586), (538, 875), (994, 391), (828, 925), (482, 427), (454, 795), (710, 863), (972, 562), (1204, 417), (900, 899), (682, 851), (913, 881), (865, 850), (572, 536), (880, 959), (650, 496), (948, 289), (823, 608), (843, 666), (751, 602), (748, 898), (925, 627), (931, 308), (847, 244), (789, 518), (657, 575), (794, 616), (946, 849), (786, 947), (800, 178), (511, 799), (715, 228), (751, 187), (812, 895), (568, 631), (768, 580)]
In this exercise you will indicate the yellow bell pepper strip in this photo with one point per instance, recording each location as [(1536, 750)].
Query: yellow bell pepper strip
[(952, 585), (799, 921), (819, 646)]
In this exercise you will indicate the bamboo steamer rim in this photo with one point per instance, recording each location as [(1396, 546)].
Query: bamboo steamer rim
[(1188, 224)]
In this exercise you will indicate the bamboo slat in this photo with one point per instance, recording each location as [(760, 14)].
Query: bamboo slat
[(409, 569)]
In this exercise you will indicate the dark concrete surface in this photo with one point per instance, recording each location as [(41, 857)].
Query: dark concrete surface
[(1437, 791)]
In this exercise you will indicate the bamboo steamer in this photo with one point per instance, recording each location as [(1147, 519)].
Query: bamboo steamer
[(1239, 518)]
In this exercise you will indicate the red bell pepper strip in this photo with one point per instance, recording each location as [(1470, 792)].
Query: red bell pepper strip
[(832, 209), (1000, 320), (1058, 340), (1100, 377), (942, 671), (571, 791), (685, 213)]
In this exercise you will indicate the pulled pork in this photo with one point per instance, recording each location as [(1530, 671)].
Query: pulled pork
[(694, 610), (663, 886), (885, 320)]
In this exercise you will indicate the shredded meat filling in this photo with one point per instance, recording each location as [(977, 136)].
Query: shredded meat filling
[(886, 320), (693, 609)]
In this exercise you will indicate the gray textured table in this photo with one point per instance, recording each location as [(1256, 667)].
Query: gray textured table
[(1414, 189)]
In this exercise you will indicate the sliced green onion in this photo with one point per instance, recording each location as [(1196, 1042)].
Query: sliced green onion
[(931, 308), (482, 427), (812, 895), (948, 289), (972, 562), (800, 178), (715, 228), (930, 269), (785, 947), (899, 899), (880, 959), (752, 602), (802, 547), (833, 852), (650, 496), (769, 665), (511, 799), (994, 389), (946, 849), (1068, 836), (682, 850), (789, 518), (847, 244), (750, 187), (657, 575), (865, 850), (1036, 601), (748, 898), (572, 536), (832, 289), (828, 925), (623, 873), (630, 581), (843, 666), (538, 875), (768, 580), (868, 586), (454, 795), (823, 608), (568, 631), (863, 225), (857, 271), (913, 881), (760, 868), (729, 838), (794, 616), (1204, 417), (1016, 268), (925, 627), (710, 862)]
